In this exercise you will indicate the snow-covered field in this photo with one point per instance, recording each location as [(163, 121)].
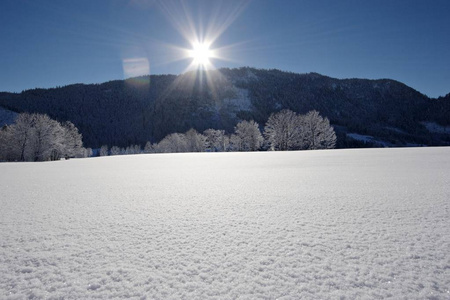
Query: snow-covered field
[(340, 224)]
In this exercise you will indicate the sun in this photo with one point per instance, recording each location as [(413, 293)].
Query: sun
[(201, 54)]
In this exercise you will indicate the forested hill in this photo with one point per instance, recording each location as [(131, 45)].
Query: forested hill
[(133, 111), (7, 117)]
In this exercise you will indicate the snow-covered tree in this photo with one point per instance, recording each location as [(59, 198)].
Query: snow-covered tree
[(72, 143), (149, 148), (286, 130), (88, 152), (172, 143), (104, 150), (317, 133), (216, 140), (195, 142), (5, 148), (283, 130), (37, 137), (249, 134), (191, 141), (34, 137), (133, 149), (21, 137), (48, 138), (115, 150), (235, 143)]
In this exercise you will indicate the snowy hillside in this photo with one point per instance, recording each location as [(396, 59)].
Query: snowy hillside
[(340, 224), (7, 117)]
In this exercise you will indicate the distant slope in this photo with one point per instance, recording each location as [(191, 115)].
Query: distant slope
[(147, 108), (439, 110), (7, 117)]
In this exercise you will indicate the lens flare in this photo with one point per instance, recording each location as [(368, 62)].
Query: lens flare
[(133, 67)]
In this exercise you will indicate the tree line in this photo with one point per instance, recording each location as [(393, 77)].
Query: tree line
[(37, 137), (285, 130)]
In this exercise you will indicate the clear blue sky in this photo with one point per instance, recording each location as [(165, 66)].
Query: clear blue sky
[(54, 43)]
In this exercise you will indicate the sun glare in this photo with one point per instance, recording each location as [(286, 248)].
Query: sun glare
[(201, 54), (202, 35)]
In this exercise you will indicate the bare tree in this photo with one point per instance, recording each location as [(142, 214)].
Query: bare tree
[(282, 130), (317, 133), (249, 135)]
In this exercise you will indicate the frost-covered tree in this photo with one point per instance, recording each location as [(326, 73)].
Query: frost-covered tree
[(235, 143), (5, 148), (21, 137), (36, 137), (49, 138), (249, 135), (317, 133), (149, 148), (88, 152), (191, 141), (216, 140), (115, 150), (133, 149), (283, 130), (73, 143), (286, 130), (104, 150), (172, 143), (137, 149), (195, 142)]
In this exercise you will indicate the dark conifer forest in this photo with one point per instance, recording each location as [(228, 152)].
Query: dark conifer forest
[(133, 111)]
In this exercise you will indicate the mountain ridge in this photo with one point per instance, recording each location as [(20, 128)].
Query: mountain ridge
[(146, 108)]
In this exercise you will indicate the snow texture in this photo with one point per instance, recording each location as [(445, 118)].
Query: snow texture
[(334, 224)]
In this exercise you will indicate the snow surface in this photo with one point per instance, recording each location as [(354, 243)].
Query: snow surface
[(337, 224)]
